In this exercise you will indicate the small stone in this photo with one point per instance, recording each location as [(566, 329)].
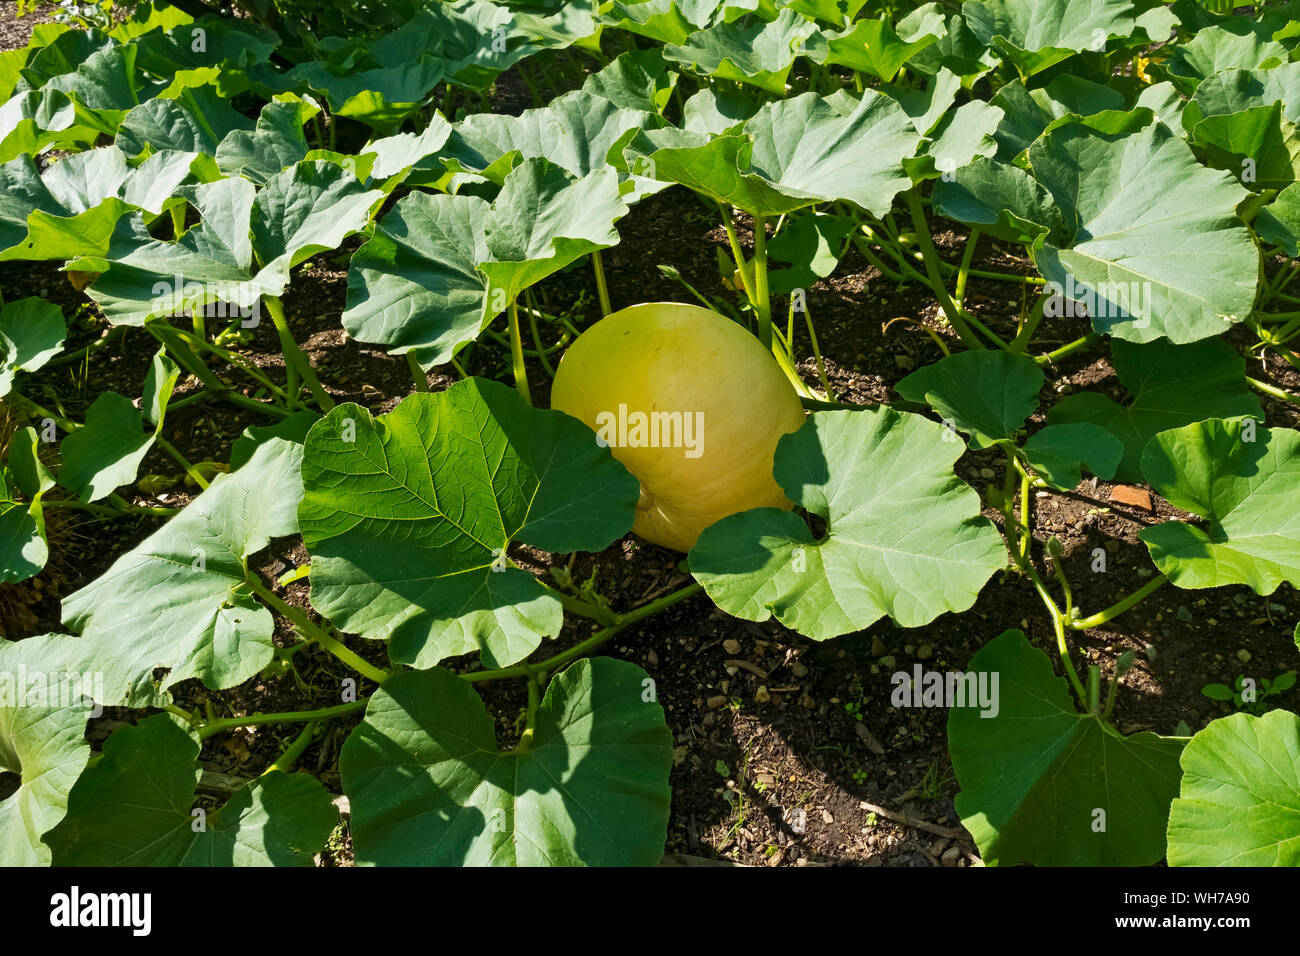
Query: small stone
[(807, 702), (951, 856), (731, 646), (1244, 656), (877, 647), (827, 817), (652, 659), (888, 661), (1183, 614), (798, 670), (1150, 651), (925, 652), (988, 473), (908, 649), (713, 703), (904, 363), (762, 695)]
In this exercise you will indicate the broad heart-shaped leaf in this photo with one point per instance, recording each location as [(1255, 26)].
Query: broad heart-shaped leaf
[(987, 394), (1244, 481), (31, 333), (797, 152), (1240, 799), (1003, 200), (574, 131), (1259, 144), (1026, 113), (904, 535), (393, 154), (1044, 784), (1169, 386), (1035, 34), (42, 739), (1152, 232), (758, 53), (1279, 221), (133, 808), (635, 80), (276, 143), (36, 120), (1235, 44), (408, 518), (1232, 91), (415, 285), (1056, 452), (381, 98), (197, 121), (72, 209), (668, 21), (302, 210), (871, 47), (107, 451), (178, 599), (306, 209), (542, 220), (428, 786)]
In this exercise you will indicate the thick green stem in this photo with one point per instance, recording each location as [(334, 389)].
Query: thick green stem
[(417, 373), (936, 283), (312, 631), (181, 460), (295, 356), (1077, 345), (602, 290), (541, 354), (1115, 610), (1273, 390), (517, 355), (212, 727), (581, 649), (530, 721), (106, 510), (763, 303), (959, 289), (289, 758)]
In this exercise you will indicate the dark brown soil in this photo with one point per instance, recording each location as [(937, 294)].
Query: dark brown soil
[(788, 752)]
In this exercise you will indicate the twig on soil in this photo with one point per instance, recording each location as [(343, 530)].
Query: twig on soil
[(747, 666), (954, 833)]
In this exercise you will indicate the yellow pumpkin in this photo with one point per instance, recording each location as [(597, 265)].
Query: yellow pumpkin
[(691, 404)]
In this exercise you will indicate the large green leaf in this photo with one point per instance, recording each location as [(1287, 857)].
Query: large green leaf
[(872, 47), (307, 208), (428, 786), (276, 142), (107, 451), (415, 284), (31, 333), (408, 518), (1152, 232), (1044, 784), (1244, 481), (1056, 452), (42, 739), (1027, 113), (1259, 146), (904, 535), (987, 394), (197, 122), (668, 21), (757, 53), (1232, 91), (1168, 386), (178, 600), (797, 152), (1035, 34), (133, 808), (542, 220), (1236, 44), (1240, 798), (73, 208), (575, 131), (36, 120)]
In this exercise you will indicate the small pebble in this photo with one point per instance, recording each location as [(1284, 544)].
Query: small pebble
[(1244, 656), (731, 646)]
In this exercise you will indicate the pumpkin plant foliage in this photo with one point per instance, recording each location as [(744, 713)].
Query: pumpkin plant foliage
[(1139, 160)]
